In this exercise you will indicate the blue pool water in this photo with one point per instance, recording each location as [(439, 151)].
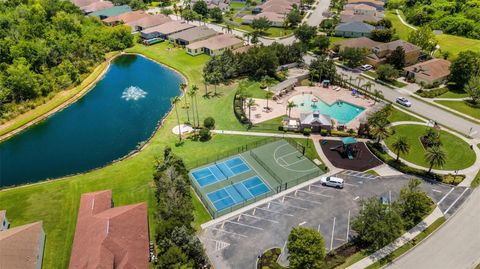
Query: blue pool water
[(237, 193), (121, 111), (219, 171), (342, 111)]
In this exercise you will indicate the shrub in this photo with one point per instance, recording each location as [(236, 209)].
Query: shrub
[(432, 93), (209, 123), (307, 131), (205, 134)]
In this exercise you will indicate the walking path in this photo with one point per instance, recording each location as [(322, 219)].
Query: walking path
[(404, 22), (405, 238)]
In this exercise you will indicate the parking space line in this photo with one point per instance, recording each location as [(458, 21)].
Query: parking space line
[(456, 200), (260, 218), (293, 206), (246, 225), (350, 184), (315, 193), (333, 231), (302, 223), (348, 225), (277, 212), (305, 200), (435, 190), (227, 232), (445, 196)]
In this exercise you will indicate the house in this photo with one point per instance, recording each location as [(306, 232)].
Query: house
[(223, 5), (361, 9), (96, 6), (434, 71), (109, 12), (162, 31), (83, 3), (22, 247), (349, 16), (359, 43), (148, 22), (192, 35), (354, 29), (4, 224), (215, 45), (383, 50), (315, 121), (126, 17), (110, 237), (276, 19), (379, 5)]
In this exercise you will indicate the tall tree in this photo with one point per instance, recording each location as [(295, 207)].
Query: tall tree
[(294, 17), (306, 249), (401, 146), (424, 38), (192, 93), (435, 156), (183, 87), (377, 95), (305, 33), (201, 8), (397, 58), (463, 68), (261, 24), (290, 105), (380, 132), (250, 103), (216, 14), (473, 89), (413, 203), (175, 101), (268, 96)]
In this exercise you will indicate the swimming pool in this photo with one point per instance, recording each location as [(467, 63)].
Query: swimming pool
[(342, 111)]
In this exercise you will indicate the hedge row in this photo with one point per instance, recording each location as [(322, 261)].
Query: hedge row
[(432, 93)]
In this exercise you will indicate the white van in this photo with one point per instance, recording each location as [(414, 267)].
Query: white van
[(332, 182)]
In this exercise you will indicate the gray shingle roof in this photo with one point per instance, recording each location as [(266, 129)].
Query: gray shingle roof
[(356, 27)]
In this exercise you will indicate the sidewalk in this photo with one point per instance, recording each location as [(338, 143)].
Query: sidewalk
[(412, 233)]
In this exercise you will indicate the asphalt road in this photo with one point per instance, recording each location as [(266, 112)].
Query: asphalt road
[(455, 245)]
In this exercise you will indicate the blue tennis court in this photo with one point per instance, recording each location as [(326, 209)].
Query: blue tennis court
[(238, 193), (220, 171)]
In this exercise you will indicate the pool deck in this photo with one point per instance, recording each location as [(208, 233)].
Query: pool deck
[(327, 95)]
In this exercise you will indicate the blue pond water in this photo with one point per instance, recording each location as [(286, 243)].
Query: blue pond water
[(342, 111), (120, 112)]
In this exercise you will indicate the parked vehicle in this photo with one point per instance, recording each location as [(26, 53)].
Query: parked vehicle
[(366, 67), (403, 101), (335, 182)]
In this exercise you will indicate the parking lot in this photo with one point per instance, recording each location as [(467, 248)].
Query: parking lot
[(237, 241)]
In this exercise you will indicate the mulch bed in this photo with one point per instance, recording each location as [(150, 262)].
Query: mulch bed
[(364, 159)]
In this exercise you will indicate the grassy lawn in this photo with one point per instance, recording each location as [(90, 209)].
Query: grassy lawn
[(476, 181), (237, 5), (401, 29), (271, 32), (334, 39), (458, 152), (56, 202), (393, 82), (403, 249), (456, 44), (461, 107), (452, 94), (398, 115)]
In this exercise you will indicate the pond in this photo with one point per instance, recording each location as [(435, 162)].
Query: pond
[(112, 119)]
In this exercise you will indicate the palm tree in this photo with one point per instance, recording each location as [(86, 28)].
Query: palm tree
[(247, 35), (250, 103), (268, 95), (183, 86), (359, 80), (290, 105), (195, 89), (192, 93), (206, 81), (380, 132), (401, 146), (435, 156), (378, 95), (175, 101), (368, 86)]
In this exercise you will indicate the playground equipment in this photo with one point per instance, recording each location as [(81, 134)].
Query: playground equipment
[(348, 148)]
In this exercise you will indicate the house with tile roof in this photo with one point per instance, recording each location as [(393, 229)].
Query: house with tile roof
[(164, 30), (276, 19), (22, 247), (148, 22), (192, 35), (126, 17), (379, 5), (82, 3), (96, 6), (354, 29), (108, 236), (109, 12), (215, 45), (383, 50), (434, 71), (361, 9), (358, 43)]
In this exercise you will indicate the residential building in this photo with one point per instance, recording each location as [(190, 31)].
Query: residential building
[(109, 12), (224, 5), (164, 30), (379, 5), (361, 9), (354, 29), (110, 237), (359, 43), (315, 121), (276, 19), (215, 45), (126, 17), (82, 3), (349, 16), (4, 224), (192, 35), (148, 22), (96, 6), (22, 247), (434, 71), (383, 50)]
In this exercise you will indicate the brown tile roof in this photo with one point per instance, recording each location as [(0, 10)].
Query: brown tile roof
[(127, 17), (359, 7), (192, 34), (271, 16), (431, 70), (19, 246), (107, 237), (242, 49), (346, 16), (96, 6), (360, 42), (169, 28), (408, 47), (375, 2), (150, 21), (82, 3), (216, 42)]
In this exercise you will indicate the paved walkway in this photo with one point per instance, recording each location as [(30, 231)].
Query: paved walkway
[(404, 22), (405, 238)]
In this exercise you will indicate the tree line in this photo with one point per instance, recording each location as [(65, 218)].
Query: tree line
[(48, 45)]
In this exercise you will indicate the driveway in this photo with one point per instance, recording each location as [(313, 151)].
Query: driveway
[(237, 242)]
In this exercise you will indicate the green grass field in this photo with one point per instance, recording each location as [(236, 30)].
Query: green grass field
[(56, 202), (451, 94), (401, 29), (458, 152), (398, 115), (461, 107)]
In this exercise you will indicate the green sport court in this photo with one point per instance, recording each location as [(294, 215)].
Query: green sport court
[(231, 183)]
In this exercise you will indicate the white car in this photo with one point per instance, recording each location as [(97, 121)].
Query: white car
[(366, 67), (332, 182), (404, 101)]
